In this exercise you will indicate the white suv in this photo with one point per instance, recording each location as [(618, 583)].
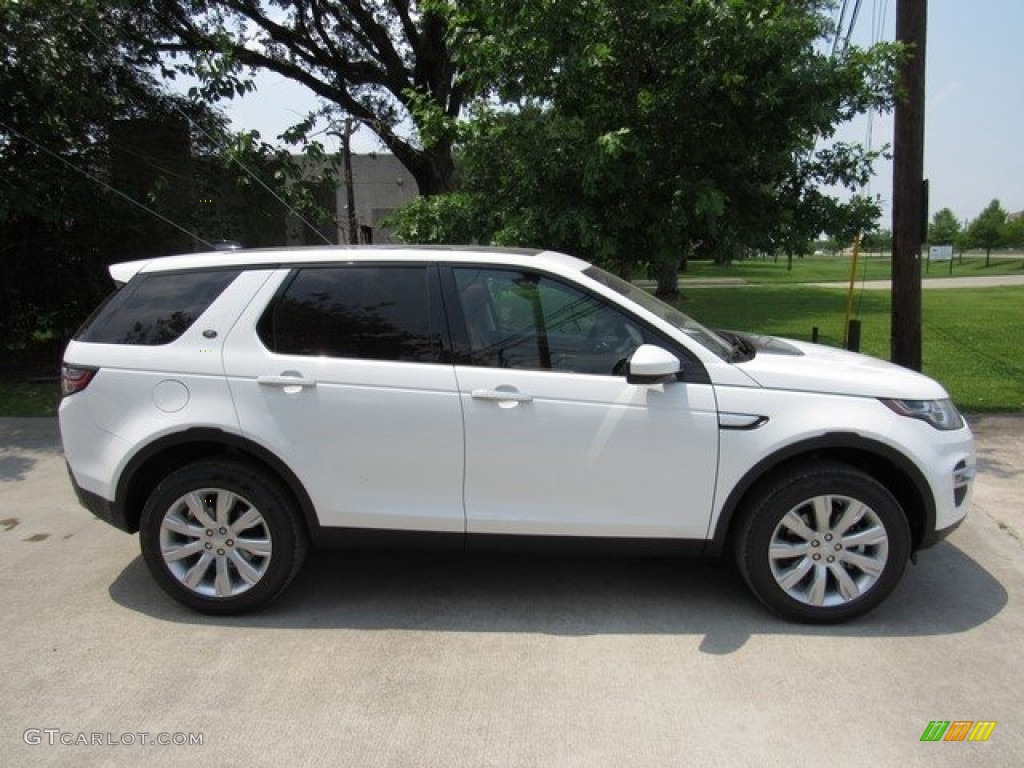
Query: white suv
[(235, 407)]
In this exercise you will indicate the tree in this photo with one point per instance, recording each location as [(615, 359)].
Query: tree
[(944, 228), (986, 231), (962, 244), (67, 83), (1013, 231), (879, 241), (638, 133), (452, 219), (384, 63), (87, 124), (64, 80)]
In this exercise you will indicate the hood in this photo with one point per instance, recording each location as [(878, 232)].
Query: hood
[(798, 365)]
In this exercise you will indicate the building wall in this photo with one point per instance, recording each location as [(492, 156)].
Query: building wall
[(381, 185)]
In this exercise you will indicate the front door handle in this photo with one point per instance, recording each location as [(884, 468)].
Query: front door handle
[(502, 395)]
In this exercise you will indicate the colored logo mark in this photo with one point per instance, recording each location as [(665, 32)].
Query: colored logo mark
[(958, 730)]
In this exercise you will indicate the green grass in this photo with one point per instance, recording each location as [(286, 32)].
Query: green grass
[(21, 397), (29, 383), (970, 341), (822, 269)]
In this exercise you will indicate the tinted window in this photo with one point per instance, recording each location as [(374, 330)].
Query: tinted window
[(372, 312), (519, 319), (156, 309), (666, 312)]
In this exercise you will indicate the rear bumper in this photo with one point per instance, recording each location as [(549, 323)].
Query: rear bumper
[(104, 509)]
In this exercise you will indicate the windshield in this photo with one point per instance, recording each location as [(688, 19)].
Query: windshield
[(705, 337)]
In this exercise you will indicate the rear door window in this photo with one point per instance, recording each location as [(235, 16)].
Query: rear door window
[(157, 308), (368, 312)]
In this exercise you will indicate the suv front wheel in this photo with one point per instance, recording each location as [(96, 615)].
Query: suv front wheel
[(823, 543), (220, 537)]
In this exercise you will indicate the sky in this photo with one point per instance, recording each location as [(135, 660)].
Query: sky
[(974, 117), (974, 104)]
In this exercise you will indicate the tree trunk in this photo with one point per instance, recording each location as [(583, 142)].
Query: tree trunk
[(433, 169), (668, 278)]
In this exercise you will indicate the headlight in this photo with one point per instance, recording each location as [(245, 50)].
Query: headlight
[(941, 414)]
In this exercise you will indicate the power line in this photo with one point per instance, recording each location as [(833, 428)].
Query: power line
[(837, 48), (196, 126), (251, 175), (881, 18), (853, 25), (102, 183), (879, 13), (841, 51), (839, 27)]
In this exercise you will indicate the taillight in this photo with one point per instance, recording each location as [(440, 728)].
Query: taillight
[(74, 378)]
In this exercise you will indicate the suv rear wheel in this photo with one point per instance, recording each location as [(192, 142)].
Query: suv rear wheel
[(221, 538), (823, 544)]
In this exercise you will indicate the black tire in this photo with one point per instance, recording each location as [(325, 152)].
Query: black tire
[(222, 538), (811, 568)]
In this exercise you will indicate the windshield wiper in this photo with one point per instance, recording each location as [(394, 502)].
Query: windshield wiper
[(741, 348)]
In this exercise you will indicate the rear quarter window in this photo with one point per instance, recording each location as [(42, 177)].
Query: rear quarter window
[(155, 309)]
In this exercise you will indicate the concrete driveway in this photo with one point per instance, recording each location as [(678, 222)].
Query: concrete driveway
[(429, 660)]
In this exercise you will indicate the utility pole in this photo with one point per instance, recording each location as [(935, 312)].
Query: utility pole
[(909, 214), (350, 194)]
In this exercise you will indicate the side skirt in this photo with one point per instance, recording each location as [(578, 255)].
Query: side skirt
[(372, 538)]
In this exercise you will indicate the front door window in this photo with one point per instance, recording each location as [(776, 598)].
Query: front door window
[(519, 319)]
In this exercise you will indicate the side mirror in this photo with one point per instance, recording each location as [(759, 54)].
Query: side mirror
[(651, 365)]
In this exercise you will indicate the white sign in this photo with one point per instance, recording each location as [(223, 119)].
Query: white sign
[(940, 253)]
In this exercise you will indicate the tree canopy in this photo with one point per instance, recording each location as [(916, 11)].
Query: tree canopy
[(988, 229), (944, 228), (66, 83), (637, 133), (89, 134), (1013, 232), (65, 79), (387, 63)]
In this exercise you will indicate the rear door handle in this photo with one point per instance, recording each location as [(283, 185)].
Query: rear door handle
[(285, 381), (501, 395)]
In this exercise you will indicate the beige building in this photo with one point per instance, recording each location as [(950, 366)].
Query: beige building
[(380, 186)]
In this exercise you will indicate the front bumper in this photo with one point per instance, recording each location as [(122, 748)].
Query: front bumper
[(934, 537)]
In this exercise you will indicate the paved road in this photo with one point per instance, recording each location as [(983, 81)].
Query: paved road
[(397, 660), (993, 281), (936, 283)]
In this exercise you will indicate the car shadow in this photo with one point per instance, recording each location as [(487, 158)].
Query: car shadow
[(946, 593), (14, 469), (33, 434), (993, 462), (22, 442), (995, 457)]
